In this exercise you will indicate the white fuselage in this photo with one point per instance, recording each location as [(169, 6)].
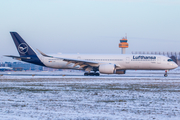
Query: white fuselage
[(124, 62)]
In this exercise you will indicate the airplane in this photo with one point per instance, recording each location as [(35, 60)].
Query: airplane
[(92, 64)]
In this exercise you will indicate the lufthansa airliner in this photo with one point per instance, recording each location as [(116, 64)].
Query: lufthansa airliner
[(92, 64)]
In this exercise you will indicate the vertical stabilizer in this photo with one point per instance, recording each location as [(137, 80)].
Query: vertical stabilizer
[(22, 47), (27, 54)]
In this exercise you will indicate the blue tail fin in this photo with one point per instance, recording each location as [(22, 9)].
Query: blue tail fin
[(27, 54), (23, 48)]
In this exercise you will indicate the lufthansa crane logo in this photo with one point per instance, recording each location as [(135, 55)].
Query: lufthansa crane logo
[(23, 48)]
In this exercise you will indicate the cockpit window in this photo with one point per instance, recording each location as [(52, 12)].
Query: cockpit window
[(169, 60)]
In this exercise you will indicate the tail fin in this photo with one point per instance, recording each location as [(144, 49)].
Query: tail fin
[(27, 54), (23, 48)]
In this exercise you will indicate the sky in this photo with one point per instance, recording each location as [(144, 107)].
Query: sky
[(90, 26)]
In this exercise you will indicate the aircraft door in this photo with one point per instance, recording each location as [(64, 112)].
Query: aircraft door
[(158, 60), (127, 60)]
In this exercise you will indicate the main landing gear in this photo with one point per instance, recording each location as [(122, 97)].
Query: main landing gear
[(165, 74), (91, 74)]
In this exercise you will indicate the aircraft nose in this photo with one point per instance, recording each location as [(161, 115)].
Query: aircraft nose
[(175, 65)]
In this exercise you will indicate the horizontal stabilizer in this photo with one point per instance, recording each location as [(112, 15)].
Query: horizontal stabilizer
[(17, 57)]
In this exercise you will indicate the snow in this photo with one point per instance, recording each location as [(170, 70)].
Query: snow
[(135, 95)]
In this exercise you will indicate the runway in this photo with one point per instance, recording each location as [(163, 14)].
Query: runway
[(135, 95), (173, 74)]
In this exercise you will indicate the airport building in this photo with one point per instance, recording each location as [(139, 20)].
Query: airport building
[(20, 66)]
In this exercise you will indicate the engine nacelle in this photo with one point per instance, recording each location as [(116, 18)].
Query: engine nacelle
[(107, 69)]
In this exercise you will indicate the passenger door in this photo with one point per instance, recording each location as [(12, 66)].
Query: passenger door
[(127, 60), (158, 60)]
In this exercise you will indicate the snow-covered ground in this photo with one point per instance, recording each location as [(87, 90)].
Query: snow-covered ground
[(135, 95)]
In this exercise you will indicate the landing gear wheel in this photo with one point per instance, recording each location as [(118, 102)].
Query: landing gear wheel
[(91, 74), (86, 74), (97, 74), (165, 75)]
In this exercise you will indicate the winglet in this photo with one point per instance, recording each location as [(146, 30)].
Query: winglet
[(43, 54)]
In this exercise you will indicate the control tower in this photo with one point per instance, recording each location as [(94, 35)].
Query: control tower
[(123, 44)]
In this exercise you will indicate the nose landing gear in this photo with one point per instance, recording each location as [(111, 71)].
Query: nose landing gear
[(165, 74)]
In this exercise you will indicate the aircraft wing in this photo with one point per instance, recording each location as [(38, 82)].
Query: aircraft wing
[(82, 63)]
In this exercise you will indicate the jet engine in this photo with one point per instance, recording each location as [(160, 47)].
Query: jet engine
[(107, 68), (110, 69)]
